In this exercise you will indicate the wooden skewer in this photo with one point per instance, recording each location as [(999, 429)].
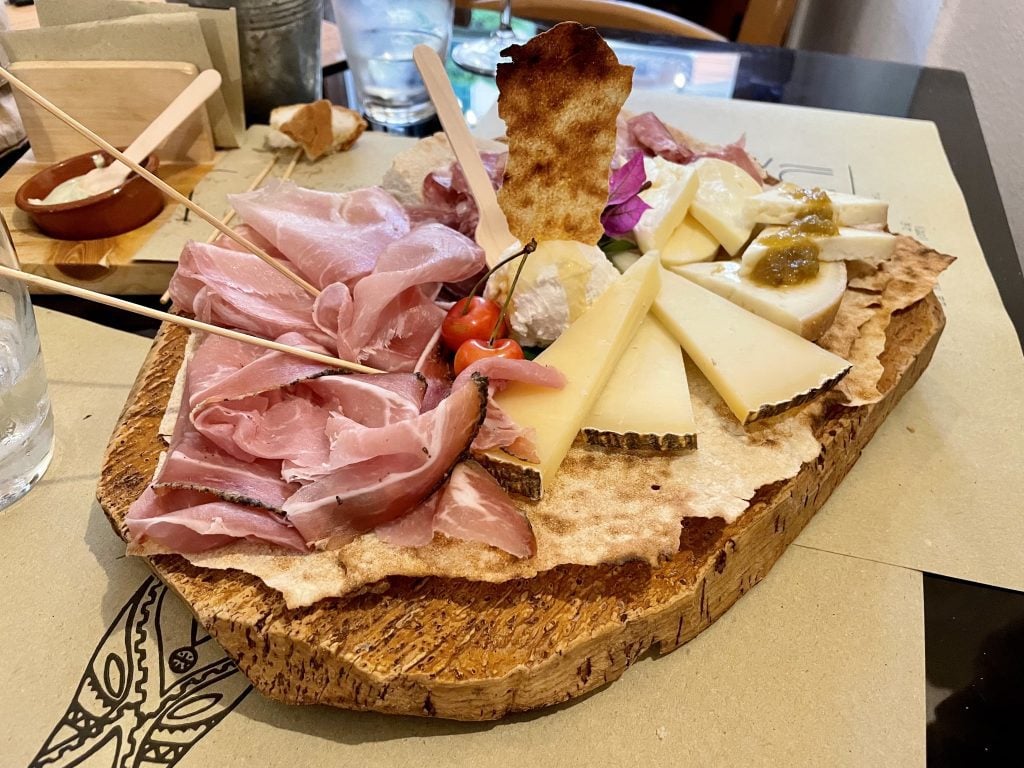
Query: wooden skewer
[(156, 314), (166, 188)]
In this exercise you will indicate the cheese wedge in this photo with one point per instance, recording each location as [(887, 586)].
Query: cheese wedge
[(867, 245), (646, 403), (807, 309), (760, 369), (719, 204), (691, 242), (778, 205), (586, 354), (672, 189)]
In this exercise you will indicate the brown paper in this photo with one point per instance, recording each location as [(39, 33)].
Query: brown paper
[(363, 165), (177, 37), (219, 28)]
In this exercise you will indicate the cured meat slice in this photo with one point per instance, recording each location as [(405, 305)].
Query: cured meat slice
[(394, 314), (188, 521), (361, 496), (649, 133), (194, 463), (415, 529), (500, 370), (235, 289), (330, 237), (473, 507), (447, 199)]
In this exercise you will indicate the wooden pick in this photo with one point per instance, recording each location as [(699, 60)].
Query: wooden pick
[(156, 314), (164, 187), (492, 233)]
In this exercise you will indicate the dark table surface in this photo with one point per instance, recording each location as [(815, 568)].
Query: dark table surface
[(973, 633)]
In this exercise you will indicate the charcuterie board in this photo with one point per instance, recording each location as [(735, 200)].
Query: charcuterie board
[(474, 651)]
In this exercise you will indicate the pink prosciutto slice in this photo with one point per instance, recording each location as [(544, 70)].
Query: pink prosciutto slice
[(330, 237), (229, 288), (394, 313), (474, 507), (188, 521), (361, 496), (193, 463), (498, 429), (415, 529)]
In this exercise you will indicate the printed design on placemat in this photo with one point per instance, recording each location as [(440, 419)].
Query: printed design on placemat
[(155, 685)]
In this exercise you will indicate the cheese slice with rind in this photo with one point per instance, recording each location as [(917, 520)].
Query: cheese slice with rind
[(807, 309), (779, 205), (760, 369), (672, 189), (646, 403), (719, 203), (586, 353), (691, 242)]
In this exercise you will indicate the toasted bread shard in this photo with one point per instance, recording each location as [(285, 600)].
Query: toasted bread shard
[(559, 99)]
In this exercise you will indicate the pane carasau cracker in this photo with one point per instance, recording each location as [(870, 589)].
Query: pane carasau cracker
[(559, 100)]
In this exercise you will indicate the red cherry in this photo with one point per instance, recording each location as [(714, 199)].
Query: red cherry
[(478, 349), (473, 317)]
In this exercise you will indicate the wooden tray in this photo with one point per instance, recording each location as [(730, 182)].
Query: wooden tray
[(474, 651)]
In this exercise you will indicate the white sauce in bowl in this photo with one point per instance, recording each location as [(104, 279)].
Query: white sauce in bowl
[(71, 190)]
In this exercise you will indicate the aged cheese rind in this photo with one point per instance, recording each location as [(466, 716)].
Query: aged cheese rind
[(759, 368), (807, 309), (586, 354), (646, 403)]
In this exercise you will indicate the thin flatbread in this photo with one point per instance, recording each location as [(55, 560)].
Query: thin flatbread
[(559, 99)]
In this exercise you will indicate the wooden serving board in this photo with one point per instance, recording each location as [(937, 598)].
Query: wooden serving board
[(107, 265), (475, 651)]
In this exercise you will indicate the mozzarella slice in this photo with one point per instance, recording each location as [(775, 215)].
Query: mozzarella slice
[(871, 246), (719, 204), (670, 194), (807, 309), (690, 242), (778, 205)]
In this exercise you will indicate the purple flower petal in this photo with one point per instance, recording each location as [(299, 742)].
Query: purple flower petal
[(621, 218), (627, 179)]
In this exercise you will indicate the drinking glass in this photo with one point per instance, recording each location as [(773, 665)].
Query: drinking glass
[(26, 420), (378, 38), (482, 56)]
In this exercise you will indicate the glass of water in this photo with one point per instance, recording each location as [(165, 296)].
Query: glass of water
[(26, 420), (378, 38)]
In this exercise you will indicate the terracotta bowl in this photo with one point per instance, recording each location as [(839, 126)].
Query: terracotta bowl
[(110, 213)]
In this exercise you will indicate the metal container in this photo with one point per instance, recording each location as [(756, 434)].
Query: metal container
[(279, 42)]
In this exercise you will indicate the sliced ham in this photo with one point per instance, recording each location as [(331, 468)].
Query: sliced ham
[(194, 463), (474, 507), (394, 314), (414, 529), (188, 521), (361, 496), (330, 237)]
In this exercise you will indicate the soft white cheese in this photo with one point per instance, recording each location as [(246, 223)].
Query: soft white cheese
[(870, 246), (778, 205), (672, 189), (719, 203), (559, 282)]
